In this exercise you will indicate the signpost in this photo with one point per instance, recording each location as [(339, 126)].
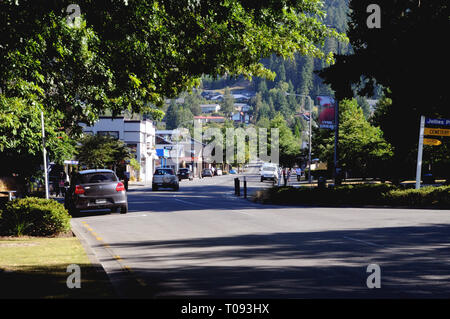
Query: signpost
[(429, 141), (419, 152), (437, 131)]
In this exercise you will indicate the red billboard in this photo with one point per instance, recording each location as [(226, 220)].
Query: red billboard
[(327, 106)]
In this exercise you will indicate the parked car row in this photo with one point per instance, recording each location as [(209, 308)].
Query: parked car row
[(101, 188)]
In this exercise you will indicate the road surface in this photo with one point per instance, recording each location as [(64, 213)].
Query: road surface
[(203, 242)]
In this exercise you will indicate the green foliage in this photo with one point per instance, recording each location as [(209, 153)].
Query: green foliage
[(124, 55), (97, 151), (34, 217), (359, 195), (362, 148), (178, 115), (21, 136), (289, 146), (135, 164), (409, 32), (228, 102)]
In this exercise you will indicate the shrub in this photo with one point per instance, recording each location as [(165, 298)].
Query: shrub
[(359, 194), (34, 217)]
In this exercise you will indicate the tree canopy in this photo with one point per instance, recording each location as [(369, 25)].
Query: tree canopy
[(127, 55), (96, 151), (362, 148), (403, 55)]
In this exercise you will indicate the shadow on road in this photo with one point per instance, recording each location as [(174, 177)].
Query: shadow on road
[(414, 261)]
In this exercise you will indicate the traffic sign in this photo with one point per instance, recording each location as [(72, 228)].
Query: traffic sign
[(431, 141), (437, 131), (445, 122)]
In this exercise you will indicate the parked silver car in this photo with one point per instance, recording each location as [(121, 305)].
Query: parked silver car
[(165, 177), (96, 189)]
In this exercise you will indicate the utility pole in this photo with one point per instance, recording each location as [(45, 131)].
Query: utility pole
[(420, 152), (310, 133), (336, 142), (310, 140), (44, 153)]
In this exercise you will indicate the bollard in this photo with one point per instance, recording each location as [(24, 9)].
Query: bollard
[(237, 186), (245, 188)]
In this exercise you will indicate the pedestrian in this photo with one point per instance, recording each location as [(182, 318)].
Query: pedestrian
[(288, 175), (285, 176), (126, 178), (298, 172), (61, 184)]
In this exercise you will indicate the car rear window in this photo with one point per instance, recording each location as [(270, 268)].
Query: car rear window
[(102, 177), (164, 171)]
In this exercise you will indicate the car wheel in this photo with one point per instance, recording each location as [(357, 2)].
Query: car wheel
[(154, 188), (124, 209), (74, 212), (176, 188), (262, 179)]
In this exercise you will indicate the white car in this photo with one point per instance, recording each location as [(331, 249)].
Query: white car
[(165, 177), (269, 173), (219, 172)]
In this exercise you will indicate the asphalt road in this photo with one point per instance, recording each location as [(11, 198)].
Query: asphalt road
[(203, 242)]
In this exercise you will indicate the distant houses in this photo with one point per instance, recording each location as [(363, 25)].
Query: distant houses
[(210, 108), (206, 119)]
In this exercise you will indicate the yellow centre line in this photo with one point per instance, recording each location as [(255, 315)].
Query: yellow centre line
[(117, 257)]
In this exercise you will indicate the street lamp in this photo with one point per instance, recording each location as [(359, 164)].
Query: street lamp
[(310, 132), (44, 153)]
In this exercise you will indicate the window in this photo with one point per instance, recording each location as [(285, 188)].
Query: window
[(101, 177), (114, 134), (164, 171)]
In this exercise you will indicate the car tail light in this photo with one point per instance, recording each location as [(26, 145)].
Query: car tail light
[(120, 187), (79, 190)]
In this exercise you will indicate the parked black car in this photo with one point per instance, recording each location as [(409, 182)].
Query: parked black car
[(96, 189), (185, 173)]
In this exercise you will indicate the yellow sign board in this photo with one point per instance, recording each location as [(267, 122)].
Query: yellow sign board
[(437, 131), (431, 141)]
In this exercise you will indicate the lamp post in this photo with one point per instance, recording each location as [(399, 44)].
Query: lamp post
[(310, 133), (44, 153)]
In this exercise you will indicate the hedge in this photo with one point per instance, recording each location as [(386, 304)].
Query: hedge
[(358, 195), (34, 217)]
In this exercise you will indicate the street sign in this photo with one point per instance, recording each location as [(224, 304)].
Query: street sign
[(445, 122), (437, 131), (71, 162), (431, 141)]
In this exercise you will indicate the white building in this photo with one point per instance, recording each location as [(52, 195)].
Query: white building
[(210, 108), (138, 135), (183, 150)]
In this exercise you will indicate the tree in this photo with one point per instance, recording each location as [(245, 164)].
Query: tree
[(289, 146), (130, 55), (228, 102), (171, 117), (393, 56), (96, 151), (362, 149), (21, 137)]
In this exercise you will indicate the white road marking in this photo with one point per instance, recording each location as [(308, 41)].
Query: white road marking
[(363, 241)]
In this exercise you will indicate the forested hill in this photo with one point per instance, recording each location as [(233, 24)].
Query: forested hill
[(298, 73)]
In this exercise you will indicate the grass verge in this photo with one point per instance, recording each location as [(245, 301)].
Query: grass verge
[(36, 268)]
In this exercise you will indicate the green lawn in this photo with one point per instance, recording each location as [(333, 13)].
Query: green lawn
[(35, 267)]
